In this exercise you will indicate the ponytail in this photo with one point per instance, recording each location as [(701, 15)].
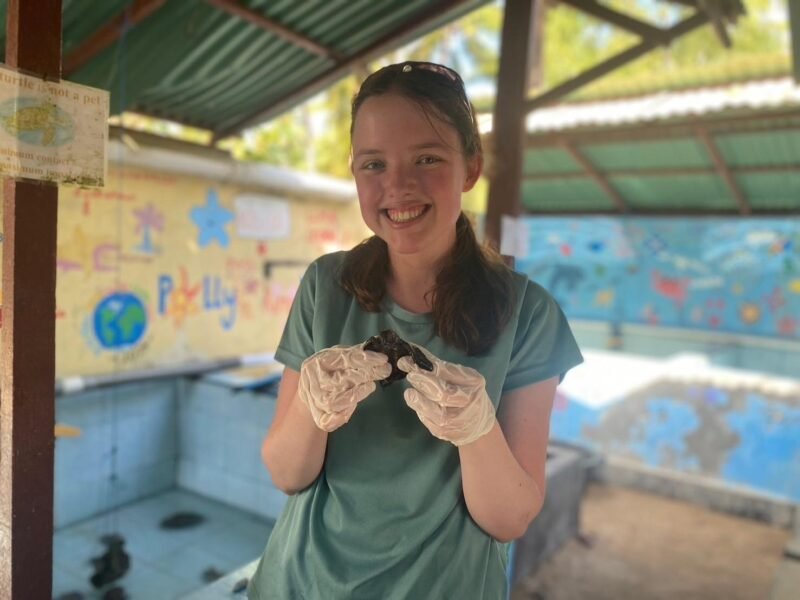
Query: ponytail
[(473, 297)]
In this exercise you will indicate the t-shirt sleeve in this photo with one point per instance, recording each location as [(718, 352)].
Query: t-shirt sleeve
[(297, 341), (543, 345)]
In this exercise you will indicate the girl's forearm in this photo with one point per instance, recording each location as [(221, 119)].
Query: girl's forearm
[(501, 497), (294, 449)]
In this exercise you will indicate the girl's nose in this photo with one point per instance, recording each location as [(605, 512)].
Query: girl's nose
[(400, 181)]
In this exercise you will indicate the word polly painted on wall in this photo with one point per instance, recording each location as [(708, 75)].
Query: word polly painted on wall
[(183, 298)]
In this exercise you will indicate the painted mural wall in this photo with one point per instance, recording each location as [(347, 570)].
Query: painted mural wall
[(685, 415), (679, 412), (155, 269), (728, 274)]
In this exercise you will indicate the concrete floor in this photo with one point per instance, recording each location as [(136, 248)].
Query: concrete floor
[(640, 546), (165, 564)]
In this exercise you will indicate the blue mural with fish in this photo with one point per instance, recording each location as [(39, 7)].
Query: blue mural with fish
[(725, 274), (732, 275)]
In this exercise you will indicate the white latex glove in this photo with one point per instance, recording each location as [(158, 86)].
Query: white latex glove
[(451, 401), (334, 380)]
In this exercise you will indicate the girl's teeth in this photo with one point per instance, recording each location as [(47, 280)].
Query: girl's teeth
[(401, 216)]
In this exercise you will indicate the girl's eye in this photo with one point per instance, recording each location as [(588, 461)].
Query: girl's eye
[(372, 165), (429, 160)]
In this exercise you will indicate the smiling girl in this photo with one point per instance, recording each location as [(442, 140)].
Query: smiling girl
[(411, 490)]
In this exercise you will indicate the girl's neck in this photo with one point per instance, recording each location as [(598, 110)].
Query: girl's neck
[(411, 281)]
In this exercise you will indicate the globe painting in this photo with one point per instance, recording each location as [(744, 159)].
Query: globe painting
[(120, 321), (36, 121)]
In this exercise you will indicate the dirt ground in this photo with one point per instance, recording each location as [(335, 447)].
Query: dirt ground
[(640, 546)]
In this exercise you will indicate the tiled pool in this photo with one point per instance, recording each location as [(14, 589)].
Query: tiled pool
[(165, 563)]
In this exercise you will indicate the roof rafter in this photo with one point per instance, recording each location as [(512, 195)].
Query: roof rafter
[(238, 9), (724, 171), (646, 45), (785, 120), (719, 12), (598, 177), (341, 68), (623, 21), (667, 172), (109, 33)]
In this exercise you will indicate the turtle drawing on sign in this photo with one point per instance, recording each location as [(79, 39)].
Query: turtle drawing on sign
[(37, 122)]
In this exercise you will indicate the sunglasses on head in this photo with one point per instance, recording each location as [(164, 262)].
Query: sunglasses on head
[(447, 72)]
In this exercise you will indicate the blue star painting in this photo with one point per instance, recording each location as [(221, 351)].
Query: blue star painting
[(211, 220)]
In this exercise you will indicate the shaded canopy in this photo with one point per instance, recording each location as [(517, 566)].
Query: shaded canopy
[(224, 65), (724, 150)]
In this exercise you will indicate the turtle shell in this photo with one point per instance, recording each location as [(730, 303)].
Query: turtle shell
[(393, 346)]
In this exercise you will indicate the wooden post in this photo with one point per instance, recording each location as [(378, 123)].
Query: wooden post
[(508, 124), (33, 45)]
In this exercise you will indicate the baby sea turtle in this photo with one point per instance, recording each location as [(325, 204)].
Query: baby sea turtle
[(393, 346), (113, 563)]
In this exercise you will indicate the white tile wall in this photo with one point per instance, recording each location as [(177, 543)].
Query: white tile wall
[(127, 448), (220, 447), (201, 436)]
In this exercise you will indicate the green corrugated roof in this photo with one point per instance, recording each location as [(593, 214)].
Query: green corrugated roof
[(677, 193), (756, 149), (564, 195), (664, 154), (665, 166), (196, 64), (193, 63), (772, 191)]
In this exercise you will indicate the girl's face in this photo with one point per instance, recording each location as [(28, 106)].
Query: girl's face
[(410, 172)]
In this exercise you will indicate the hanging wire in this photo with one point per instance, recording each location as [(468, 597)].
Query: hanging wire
[(114, 562), (121, 68)]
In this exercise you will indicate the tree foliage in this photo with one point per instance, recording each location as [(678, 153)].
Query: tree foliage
[(575, 42), (470, 45), (316, 135)]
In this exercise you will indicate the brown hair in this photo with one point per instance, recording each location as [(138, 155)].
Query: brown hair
[(473, 297)]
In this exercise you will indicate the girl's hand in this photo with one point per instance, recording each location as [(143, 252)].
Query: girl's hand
[(451, 401), (334, 380)]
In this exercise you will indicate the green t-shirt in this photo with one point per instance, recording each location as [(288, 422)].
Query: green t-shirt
[(386, 519)]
